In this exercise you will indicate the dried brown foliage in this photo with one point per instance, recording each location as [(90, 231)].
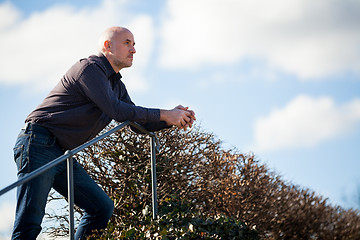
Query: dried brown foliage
[(218, 182)]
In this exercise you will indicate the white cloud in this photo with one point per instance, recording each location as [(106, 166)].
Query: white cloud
[(305, 122), (7, 213), (38, 50), (308, 38), (8, 15)]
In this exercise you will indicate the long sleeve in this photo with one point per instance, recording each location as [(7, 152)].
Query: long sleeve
[(85, 100)]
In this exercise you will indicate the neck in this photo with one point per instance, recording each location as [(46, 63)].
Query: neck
[(113, 65)]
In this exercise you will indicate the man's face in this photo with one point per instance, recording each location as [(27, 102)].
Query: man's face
[(122, 48)]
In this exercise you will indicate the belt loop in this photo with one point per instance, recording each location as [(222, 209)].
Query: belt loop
[(27, 124)]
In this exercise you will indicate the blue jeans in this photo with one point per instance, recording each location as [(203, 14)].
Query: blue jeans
[(36, 146)]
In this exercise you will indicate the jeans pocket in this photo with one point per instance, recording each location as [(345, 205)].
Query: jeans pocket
[(44, 140), (21, 160)]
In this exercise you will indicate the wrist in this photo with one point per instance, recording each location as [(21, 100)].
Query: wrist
[(163, 115)]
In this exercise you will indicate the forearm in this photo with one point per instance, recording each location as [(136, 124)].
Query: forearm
[(152, 126)]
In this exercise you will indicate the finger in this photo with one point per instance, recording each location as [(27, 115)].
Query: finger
[(183, 122), (181, 107), (191, 122), (192, 114), (191, 111), (186, 125)]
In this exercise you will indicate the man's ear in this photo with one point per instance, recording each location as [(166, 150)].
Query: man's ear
[(107, 45)]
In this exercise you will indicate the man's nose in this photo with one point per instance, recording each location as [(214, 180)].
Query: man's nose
[(132, 50)]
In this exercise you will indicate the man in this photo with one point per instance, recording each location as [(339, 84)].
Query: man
[(86, 99)]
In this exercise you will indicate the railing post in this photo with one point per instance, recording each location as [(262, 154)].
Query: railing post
[(70, 178), (153, 177)]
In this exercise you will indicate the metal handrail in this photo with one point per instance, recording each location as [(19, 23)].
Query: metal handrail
[(68, 156)]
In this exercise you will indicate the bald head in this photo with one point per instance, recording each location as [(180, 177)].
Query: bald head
[(110, 34), (117, 45)]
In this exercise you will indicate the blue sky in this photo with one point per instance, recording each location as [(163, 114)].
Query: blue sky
[(276, 78)]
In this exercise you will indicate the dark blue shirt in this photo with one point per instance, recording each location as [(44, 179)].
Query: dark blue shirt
[(85, 101)]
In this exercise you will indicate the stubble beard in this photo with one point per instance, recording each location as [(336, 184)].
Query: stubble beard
[(122, 64)]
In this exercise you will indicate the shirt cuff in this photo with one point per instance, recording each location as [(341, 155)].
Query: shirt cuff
[(153, 115)]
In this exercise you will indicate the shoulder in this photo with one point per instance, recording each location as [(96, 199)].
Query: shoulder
[(98, 62), (90, 64), (94, 67), (84, 70), (86, 66), (95, 61)]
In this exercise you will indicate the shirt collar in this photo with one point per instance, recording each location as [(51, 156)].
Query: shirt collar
[(110, 73)]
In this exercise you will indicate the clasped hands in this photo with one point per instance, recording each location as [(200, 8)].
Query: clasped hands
[(188, 119), (180, 116)]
